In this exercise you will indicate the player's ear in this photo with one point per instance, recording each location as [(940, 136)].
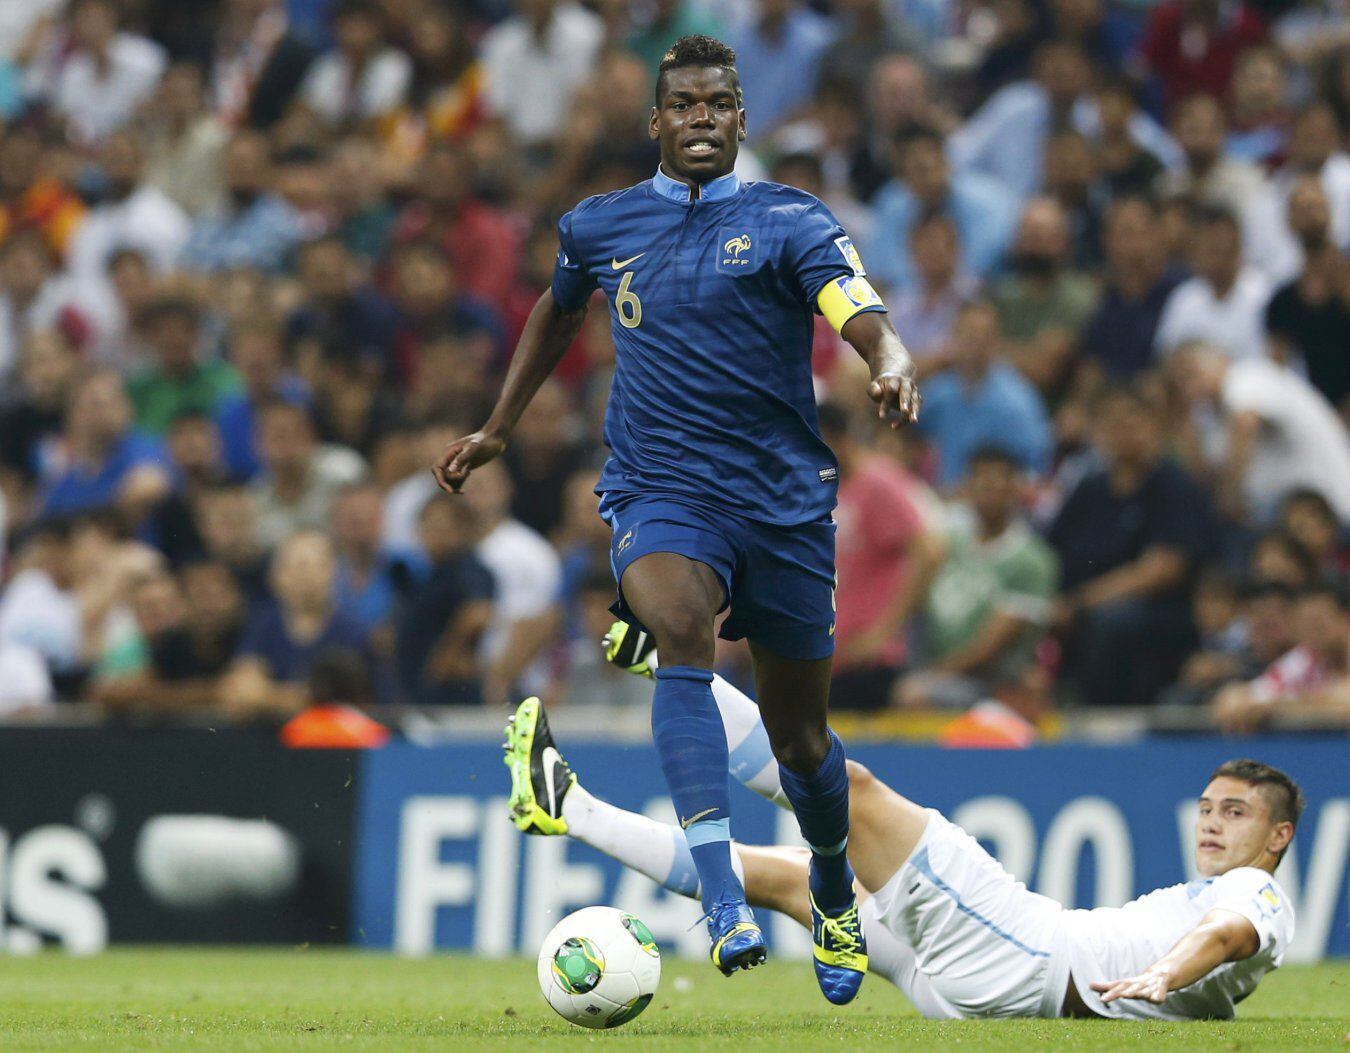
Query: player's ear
[(740, 126), (654, 124), (1279, 838)]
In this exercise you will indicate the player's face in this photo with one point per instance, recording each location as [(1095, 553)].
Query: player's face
[(1235, 828), (699, 123)]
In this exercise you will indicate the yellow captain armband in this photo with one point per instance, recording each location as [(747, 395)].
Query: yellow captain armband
[(844, 297)]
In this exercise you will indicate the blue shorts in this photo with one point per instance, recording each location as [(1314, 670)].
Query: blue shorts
[(778, 581)]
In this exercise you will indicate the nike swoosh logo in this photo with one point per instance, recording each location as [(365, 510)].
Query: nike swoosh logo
[(685, 824), (550, 759), (618, 266)]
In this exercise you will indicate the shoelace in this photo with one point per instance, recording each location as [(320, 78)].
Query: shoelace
[(846, 943)]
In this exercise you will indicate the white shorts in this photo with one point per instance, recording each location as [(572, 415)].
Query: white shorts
[(962, 937)]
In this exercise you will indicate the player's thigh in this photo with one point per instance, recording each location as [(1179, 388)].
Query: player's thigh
[(677, 598), (884, 828)]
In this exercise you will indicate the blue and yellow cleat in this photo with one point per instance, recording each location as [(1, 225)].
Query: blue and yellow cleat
[(840, 953), (737, 942), (629, 647), (540, 778)]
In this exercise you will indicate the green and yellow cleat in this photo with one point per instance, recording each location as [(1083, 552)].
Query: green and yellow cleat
[(840, 952), (540, 778), (630, 648)]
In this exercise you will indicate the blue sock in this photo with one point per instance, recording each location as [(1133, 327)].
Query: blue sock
[(687, 730), (821, 804)]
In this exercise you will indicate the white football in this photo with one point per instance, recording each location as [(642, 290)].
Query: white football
[(599, 967)]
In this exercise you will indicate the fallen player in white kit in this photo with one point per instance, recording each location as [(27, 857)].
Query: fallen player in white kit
[(958, 934)]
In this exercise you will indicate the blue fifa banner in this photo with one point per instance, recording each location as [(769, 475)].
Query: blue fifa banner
[(440, 866)]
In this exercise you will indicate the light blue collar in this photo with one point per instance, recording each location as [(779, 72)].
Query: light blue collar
[(718, 189)]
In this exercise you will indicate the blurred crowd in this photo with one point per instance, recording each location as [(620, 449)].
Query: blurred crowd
[(261, 259)]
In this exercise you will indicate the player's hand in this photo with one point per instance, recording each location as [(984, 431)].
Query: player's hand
[(462, 456), (898, 393), (1147, 987)]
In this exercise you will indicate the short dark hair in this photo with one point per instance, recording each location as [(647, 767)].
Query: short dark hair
[(1281, 793), (1209, 214), (1307, 496), (698, 50)]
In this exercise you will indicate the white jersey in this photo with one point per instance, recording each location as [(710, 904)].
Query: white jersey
[(1116, 943), (963, 938)]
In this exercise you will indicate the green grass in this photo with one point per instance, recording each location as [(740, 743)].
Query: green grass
[(252, 1000)]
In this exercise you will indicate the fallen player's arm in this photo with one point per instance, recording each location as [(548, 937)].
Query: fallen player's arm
[(1222, 936), (547, 335), (850, 305)]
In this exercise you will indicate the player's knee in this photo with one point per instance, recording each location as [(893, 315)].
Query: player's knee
[(684, 635), (803, 752), (860, 778)]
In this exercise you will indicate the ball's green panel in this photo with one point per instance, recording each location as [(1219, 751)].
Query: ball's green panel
[(643, 935), (632, 1009), (578, 965)]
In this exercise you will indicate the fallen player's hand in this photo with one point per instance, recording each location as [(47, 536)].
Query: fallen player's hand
[(1147, 987), (462, 456), (896, 392)]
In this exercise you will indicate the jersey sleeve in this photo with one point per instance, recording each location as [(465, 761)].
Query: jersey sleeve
[(820, 252), (572, 282), (1256, 896)]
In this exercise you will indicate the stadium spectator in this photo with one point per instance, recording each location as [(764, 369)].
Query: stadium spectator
[(1072, 181), (431, 304), (36, 297), (981, 399), (1234, 645), (1192, 46), (98, 76), (181, 379), (367, 576), (779, 46), (1126, 167), (1312, 680), (441, 626), (1280, 558), (1308, 517), (259, 359), (1308, 319), (900, 95), (1224, 303), (1130, 537), (300, 478), (258, 62), (526, 575), (990, 603), (1207, 176), (1043, 304), (543, 456), (1281, 435), (867, 35), (889, 546), (363, 79), (104, 462), (32, 414), (1118, 339), (926, 314), (254, 227), (227, 521), (363, 216), (483, 243), (1259, 102), (131, 214), (184, 141), (667, 21), (283, 639), (534, 61), (983, 212), (32, 193), (156, 670), (197, 462)]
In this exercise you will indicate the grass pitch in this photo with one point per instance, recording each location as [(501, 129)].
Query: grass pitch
[(253, 1000)]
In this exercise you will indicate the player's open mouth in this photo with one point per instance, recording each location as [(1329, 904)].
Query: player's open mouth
[(701, 147)]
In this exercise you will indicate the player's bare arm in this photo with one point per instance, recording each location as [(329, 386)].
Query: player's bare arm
[(548, 334), (1222, 936), (893, 387)]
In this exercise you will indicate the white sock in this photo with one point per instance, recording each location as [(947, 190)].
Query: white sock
[(751, 760), (657, 850)]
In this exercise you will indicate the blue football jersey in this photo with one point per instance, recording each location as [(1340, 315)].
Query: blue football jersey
[(711, 305)]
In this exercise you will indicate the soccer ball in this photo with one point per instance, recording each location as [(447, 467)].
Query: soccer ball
[(599, 967)]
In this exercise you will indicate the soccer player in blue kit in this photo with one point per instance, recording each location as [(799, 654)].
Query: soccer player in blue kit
[(719, 487)]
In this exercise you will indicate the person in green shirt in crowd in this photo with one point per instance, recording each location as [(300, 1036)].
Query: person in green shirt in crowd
[(670, 20), (990, 603), (179, 381)]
